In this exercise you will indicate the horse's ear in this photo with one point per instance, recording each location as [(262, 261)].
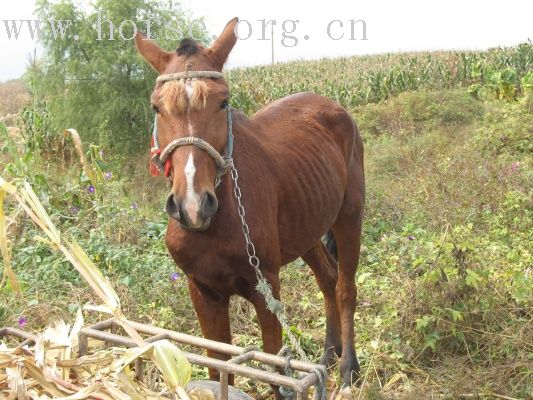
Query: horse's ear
[(151, 52), (224, 43)]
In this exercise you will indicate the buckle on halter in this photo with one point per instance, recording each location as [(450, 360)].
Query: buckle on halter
[(157, 161)]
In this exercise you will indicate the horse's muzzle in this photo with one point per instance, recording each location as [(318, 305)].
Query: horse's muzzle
[(207, 207)]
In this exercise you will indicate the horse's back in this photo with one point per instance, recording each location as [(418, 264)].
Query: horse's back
[(310, 114)]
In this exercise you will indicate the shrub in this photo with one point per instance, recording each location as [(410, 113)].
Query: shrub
[(408, 112)]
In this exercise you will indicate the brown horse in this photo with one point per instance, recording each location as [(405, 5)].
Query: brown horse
[(300, 165)]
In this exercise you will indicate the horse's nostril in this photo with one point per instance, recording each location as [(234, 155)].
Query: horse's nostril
[(172, 207), (209, 205)]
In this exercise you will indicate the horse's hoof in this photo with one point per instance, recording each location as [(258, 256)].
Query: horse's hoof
[(207, 390), (350, 372)]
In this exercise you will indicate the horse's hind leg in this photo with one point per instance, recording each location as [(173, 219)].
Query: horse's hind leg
[(347, 232), (325, 270)]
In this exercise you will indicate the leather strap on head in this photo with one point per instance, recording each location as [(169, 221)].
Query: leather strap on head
[(161, 158), (188, 75)]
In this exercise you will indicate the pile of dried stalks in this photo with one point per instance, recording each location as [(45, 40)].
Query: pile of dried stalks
[(50, 369)]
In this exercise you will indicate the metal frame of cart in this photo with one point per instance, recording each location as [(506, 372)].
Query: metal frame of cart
[(239, 356)]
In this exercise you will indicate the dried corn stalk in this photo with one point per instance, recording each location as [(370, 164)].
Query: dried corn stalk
[(49, 364)]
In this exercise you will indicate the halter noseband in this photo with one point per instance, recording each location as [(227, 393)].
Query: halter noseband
[(161, 157)]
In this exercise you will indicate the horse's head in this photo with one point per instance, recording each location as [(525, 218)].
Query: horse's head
[(191, 104)]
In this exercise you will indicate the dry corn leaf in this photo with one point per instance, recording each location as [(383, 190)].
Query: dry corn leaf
[(44, 380), (33, 201), (115, 392), (92, 275), (84, 393), (79, 149), (16, 382), (175, 368)]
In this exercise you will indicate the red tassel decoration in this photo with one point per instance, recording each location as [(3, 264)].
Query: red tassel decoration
[(154, 169), (168, 164)]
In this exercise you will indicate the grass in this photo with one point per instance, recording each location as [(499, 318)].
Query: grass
[(445, 299)]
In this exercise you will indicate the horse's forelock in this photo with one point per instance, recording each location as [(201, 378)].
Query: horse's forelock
[(176, 95)]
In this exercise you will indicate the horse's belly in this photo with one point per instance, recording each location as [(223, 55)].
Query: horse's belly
[(310, 204)]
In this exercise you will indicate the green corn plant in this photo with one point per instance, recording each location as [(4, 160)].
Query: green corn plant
[(8, 274), (526, 84), (504, 83)]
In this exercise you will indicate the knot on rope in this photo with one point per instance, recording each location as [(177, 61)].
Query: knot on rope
[(274, 305), (286, 353), (320, 388)]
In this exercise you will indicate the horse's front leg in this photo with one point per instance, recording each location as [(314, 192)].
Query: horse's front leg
[(212, 310), (270, 326)]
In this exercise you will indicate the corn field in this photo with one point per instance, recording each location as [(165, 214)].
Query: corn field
[(355, 81)]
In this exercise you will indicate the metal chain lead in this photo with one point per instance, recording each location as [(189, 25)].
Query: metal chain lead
[(264, 288), (273, 304), (250, 248)]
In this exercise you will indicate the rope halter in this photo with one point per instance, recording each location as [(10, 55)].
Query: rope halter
[(160, 158)]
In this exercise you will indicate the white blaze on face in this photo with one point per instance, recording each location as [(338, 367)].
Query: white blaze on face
[(192, 200), (188, 89)]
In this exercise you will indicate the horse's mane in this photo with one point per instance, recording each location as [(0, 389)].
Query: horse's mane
[(188, 47)]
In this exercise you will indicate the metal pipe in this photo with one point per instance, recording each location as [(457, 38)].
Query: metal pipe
[(188, 339), (244, 357), (248, 372), (278, 361), (107, 337), (18, 333), (139, 369), (223, 386), (310, 380), (105, 324), (302, 396), (155, 338), (83, 345), (225, 348), (220, 365)]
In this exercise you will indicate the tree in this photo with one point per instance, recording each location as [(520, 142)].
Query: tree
[(91, 76)]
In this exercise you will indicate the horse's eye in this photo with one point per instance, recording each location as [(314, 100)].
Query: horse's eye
[(224, 104), (155, 108)]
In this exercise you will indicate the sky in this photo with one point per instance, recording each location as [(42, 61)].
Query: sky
[(391, 26)]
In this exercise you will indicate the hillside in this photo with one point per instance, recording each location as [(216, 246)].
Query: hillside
[(445, 291)]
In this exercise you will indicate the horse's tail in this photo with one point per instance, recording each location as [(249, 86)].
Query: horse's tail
[(331, 244)]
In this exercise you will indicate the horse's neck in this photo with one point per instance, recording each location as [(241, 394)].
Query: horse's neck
[(247, 141), (249, 154)]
